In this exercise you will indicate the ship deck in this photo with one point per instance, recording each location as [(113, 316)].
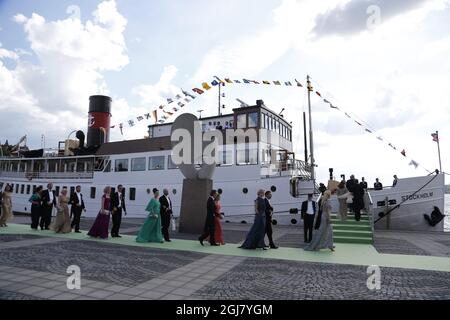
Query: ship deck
[(33, 265)]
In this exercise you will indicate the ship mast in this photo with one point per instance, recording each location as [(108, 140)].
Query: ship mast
[(310, 127)]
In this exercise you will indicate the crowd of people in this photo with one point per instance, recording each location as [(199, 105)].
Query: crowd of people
[(318, 231), (112, 207)]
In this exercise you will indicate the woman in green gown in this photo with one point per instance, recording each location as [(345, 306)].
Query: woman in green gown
[(151, 229)]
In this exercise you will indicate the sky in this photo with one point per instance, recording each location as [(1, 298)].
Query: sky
[(386, 63)]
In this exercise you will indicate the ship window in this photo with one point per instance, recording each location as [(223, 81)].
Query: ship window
[(251, 156), (253, 119), (80, 166), (225, 157), (240, 156), (241, 121), (121, 165), (28, 188), (138, 164), (93, 191), (170, 163), (174, 191), (17, 188), (132, 194), (52, 166), (22, 188), (245, 190), (72, 190), (57, 190), (34, 188), (156, 163), (273, 188), (108, 166)]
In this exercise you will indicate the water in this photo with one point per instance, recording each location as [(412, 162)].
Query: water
[(447, 212)]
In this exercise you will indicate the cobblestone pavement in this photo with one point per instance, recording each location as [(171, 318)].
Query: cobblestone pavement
[(110, 271), (256, 279), (9, 295), (417, 243), (121, 265), (17, 237), (34, 267)]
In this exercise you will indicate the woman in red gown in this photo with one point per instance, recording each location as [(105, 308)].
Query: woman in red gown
[(218, 224)]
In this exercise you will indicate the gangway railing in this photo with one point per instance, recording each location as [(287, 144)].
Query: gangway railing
[(368, 205)]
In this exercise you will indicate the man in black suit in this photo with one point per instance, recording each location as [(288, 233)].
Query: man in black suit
[(358, 201), (377, 185), (166, 214), (210, 220), (48, 202), (117, 207), (308, 212), (76, 200), (269, 212)]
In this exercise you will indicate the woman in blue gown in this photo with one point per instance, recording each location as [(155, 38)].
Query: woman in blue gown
[(255, 237), (151, 229)]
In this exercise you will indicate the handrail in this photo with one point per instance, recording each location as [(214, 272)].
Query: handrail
[(368, 202), (407, 199)]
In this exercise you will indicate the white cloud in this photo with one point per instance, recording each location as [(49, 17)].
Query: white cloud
[(4, 53), (156, 94), (72, 56)]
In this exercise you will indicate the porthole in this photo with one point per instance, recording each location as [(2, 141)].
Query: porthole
[(219, 191), (294, 221), (274, 222), (174, 191), (243, 221), (148, 190), (245, 190), (273, 188)]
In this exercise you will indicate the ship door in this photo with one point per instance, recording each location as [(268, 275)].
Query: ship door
[(293, 184)]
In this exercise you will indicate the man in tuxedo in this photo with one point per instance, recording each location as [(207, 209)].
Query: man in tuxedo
[(358, 201), (117, 207), (76, 200), (377, 185), (308, 212), (48, 202), (210, 222), (166, 214), (269, 212)]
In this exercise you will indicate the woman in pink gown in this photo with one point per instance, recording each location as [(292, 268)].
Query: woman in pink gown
[(101, 224)]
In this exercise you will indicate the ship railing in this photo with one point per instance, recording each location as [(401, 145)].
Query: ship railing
[(368, 204), (48, 175), (286, 168)]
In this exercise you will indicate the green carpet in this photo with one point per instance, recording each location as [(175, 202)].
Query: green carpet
[(346, 253)]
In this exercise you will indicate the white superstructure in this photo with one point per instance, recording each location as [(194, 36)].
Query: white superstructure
[(143, 164)]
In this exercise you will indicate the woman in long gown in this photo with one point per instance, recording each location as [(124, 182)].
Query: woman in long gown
[(6, 206), (62, 221), (36, 207), (255, 237), (218, 235), (323, 237), (151, 229), (342, 195), (101, 224)]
